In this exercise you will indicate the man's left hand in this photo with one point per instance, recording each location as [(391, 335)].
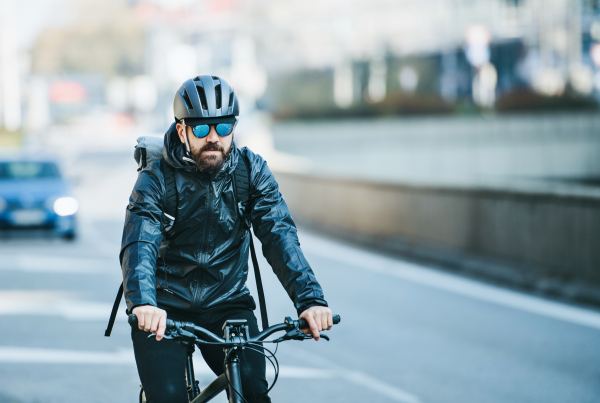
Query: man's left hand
[(319, 318)]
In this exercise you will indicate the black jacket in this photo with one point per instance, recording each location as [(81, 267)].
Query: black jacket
[(203, 260)]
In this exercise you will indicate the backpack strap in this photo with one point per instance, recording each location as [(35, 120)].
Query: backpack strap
[(113, 314), (259, 286), (242, 189), (171, 194), (241, 181)]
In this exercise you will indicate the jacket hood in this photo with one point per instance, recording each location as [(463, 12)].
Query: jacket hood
[(174, 151)]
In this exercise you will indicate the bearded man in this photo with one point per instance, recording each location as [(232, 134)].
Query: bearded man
[(193, 267)]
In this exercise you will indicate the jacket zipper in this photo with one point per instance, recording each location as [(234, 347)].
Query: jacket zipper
[(207, 225), (202, 260)]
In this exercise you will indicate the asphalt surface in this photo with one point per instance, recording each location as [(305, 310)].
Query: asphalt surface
[(409, 333)]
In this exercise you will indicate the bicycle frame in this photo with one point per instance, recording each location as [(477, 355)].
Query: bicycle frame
[(220, 384)]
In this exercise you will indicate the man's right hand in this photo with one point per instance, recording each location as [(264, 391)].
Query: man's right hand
[(151, 319)]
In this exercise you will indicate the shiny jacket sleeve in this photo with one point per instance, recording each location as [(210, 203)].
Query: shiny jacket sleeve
[(274, 226), (142, 236)]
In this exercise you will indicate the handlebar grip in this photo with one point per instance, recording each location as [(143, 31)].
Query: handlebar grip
[(303, 324), (133, 322)]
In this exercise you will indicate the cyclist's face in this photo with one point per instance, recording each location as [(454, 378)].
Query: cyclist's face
[(209, 152)]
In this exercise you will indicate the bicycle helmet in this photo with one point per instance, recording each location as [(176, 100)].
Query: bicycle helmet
[(205, 97)]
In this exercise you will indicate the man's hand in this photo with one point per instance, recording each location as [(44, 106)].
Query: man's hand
[(151, 319), (319, 318)]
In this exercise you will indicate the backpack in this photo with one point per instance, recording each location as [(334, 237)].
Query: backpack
[(149, 149)]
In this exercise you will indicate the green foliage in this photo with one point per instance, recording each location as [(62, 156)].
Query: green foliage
[(105, 38), (10, 139)]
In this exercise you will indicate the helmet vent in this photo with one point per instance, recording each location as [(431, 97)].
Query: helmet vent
[(202, 96), (218, 95), (231, 99), (197, 78), (186, 99)]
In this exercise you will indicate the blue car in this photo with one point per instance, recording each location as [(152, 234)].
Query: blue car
[(34, 195)]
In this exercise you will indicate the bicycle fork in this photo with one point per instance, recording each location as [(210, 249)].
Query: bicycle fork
[(232, 370)]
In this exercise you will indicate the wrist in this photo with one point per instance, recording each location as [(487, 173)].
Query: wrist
[(303, 308)]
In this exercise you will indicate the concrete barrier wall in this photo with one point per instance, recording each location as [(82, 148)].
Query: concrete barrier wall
[(450, 149), (546, 242)]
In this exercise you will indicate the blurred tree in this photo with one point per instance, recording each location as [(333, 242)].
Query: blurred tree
[(105, 38)]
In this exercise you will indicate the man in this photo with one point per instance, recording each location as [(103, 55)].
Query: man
[(194, 266)]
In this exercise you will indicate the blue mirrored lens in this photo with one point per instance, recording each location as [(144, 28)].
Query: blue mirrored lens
[(201, 130), (224, 129)]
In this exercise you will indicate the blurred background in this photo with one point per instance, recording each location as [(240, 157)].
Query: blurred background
[(441, 157)]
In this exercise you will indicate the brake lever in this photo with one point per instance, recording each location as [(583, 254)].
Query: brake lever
[(178, 334), (294, 334), (310, 336)]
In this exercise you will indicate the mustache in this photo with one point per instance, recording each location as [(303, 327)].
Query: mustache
[(211, 147)]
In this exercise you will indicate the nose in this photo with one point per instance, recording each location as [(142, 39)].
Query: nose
[(212, 136)]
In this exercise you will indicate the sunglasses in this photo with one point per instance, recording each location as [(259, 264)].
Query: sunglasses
[(223, 129)]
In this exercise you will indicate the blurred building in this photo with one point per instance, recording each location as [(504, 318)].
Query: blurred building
[(322, 58), (380, 57)]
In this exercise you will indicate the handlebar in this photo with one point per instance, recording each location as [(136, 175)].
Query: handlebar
[(200, 331)]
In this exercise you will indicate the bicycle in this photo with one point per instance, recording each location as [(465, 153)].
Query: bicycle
[(236, 337)]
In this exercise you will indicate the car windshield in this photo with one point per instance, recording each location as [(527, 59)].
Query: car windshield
[(28, 170)]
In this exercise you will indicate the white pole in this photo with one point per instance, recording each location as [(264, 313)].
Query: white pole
[(9, 67), (575, 50)]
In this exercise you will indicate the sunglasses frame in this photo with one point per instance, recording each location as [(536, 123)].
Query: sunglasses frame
[(210, 125)]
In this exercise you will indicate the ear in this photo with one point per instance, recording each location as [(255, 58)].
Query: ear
[(180, 132)]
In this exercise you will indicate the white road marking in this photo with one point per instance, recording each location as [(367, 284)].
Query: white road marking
[(383, 388), (448, 282), (56, 264), (52, 303), (357, 377), (27, 355), (286, 371)]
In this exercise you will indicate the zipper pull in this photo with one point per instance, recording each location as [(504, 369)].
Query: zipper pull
[(159, 287)]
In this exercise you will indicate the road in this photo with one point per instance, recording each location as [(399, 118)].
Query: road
[(409, 333)]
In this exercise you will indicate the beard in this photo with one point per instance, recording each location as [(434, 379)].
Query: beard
[(210, 162)]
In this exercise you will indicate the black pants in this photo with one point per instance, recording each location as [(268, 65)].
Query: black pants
[(161, 364)]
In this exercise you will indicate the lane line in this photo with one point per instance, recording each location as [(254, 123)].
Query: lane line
[(56, 264), (383, 388), (357, 377), (26, 355), (422, 275), (52, 303)]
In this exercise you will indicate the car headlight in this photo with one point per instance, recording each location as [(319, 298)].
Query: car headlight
[(2, 204), (64, 206)]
